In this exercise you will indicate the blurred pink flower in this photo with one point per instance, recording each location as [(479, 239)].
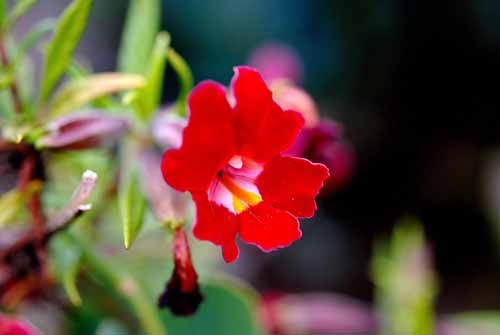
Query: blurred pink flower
[(321, 140), (13, 326), (277, 61), (315, 313)]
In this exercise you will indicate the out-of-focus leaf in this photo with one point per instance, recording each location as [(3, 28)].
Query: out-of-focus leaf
[(141, 27), (3, 12), (405, 281), (122, 283), (185, 75), (33, 37), (6, 78), (78, 70), (20, 8), (169, 205), (60, 50), (471, 323), (111, 327), (228, 309), (149, 97), (12, 202), (132, 205), (82, 131), (77, 93), (66, 260)]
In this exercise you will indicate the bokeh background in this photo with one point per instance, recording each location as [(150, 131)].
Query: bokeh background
[(415, 85)]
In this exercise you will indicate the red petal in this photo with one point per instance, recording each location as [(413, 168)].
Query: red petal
[(209, 140), (268, 228), (292, 183), (264, 129), (216, 224)]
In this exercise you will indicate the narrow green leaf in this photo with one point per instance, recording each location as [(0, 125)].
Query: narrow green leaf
[(82, 91), (141, 27), (20, 8), (185, 75), (149, 97), (33, 37), (132, 205), (3, 12), (60, 50), (66, 260)]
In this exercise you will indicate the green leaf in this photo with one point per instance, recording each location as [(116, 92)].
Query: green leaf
[(20, 8), (111, 327), (185, 75), (148, 99), (12, 202), (405, 281), (3, 12), (60, 50), (475, 322), (227, 309), (6, 78), (141, 27), (132, 206), (66, 260), (82, 91), (33, 37)]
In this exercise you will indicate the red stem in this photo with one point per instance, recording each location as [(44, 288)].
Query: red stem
[(34, 204)]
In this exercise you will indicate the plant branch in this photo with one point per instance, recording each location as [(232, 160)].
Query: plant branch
[(4, 59)]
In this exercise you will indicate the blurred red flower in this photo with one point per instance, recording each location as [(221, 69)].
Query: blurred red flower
[(230, 161)]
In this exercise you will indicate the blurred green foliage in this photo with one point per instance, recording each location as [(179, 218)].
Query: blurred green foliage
[(405, 281)]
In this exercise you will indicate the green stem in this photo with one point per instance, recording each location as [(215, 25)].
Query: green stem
[(183, 71), (126, 286)]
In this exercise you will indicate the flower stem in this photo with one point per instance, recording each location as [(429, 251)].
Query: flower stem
[(124, 285)]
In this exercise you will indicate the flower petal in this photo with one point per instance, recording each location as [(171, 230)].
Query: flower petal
[(268, 228), (291, 183), (264, 129), (216, 224), (209, 140)]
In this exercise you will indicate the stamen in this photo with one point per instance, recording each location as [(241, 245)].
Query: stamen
[(244, 196)]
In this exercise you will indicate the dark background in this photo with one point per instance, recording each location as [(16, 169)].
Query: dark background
[(416, 86)]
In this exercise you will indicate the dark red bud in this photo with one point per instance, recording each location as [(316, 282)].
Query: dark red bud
[(182, 293)]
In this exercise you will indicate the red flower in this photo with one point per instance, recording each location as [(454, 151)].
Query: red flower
[(230, 161)]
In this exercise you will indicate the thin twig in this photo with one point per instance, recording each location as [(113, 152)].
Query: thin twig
[(16, 98)]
